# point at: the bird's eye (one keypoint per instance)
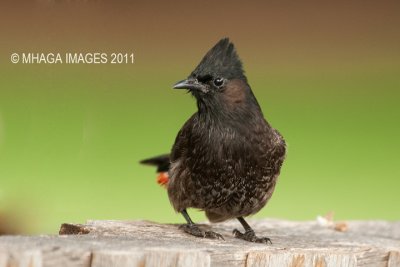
(218, 82)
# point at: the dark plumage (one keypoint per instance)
(226, 158)
(162, 162)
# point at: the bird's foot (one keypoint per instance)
(251, 237)
(194, 230)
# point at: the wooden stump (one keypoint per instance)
(143, 243)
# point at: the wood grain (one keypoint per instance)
(143, 243)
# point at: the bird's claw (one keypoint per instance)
(251, 237)
(213, 235)
(194, 230)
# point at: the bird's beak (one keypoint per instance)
(190, 84)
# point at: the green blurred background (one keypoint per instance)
(327, 75)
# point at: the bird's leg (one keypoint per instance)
(193, 229)
(249, 234)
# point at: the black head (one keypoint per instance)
(218, 66)
(218, 82)
(222, 60)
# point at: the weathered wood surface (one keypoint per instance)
(143, 243)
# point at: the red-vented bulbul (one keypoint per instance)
(226, 158)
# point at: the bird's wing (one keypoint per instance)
(182, 140)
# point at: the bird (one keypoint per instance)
(226, 158)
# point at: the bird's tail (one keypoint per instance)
(162, 163)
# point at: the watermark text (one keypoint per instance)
(72, 58)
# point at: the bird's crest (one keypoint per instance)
(221, 60)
